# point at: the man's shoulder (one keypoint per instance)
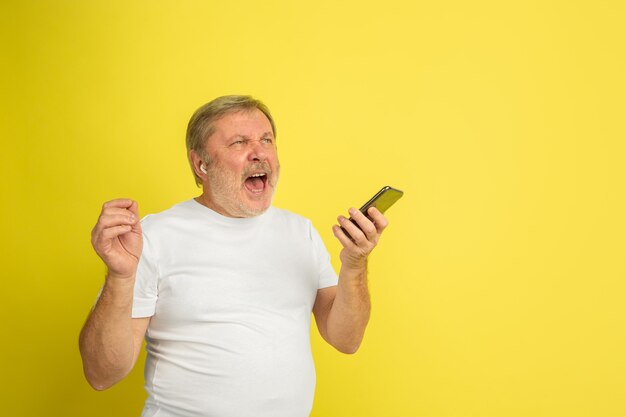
(292, 222)
(289, 216)
(180, 211)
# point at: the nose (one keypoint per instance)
(257, 152)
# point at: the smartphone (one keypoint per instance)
(382, 200)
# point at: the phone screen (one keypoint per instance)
(382, 200)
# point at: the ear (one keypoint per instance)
(197, 164)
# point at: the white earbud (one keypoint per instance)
(203, 168)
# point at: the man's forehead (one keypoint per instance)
(244, 123)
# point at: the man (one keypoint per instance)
(222, 286)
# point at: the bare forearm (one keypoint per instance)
(350, 311)
(342, 319)
(106, 341)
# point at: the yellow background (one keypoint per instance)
(498, 289)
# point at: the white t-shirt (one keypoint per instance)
(230, 301)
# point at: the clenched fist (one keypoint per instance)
(117, 237)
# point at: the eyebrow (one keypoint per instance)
(263, 136)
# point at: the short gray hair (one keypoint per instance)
(201, 126)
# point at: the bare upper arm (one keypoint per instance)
(321, 309)
(140, 326)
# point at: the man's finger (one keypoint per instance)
(116, 220)
(119, 202)
(113, 232)
(355, 233)
(364, 224)
(116, 210)
(134, 207)
(380, 221)
(345, 241)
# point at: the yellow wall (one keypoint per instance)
(499, 286)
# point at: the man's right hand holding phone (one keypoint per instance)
(359, 235)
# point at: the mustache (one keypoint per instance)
(257, 167)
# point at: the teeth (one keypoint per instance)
(258, 175)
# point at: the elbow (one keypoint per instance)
(100, 378)
(344, 342)
(97, 386)
(98, 383)
(94, 376)
(349, 348)
(348, 351)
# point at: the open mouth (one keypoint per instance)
(256, 183)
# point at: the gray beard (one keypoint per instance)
(225, 189)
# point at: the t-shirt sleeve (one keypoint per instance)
(146, 283)
(327, 275)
